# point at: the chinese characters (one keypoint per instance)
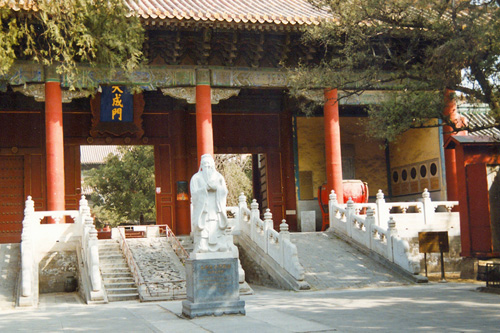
(117, 104)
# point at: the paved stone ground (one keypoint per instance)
(160, 267)
(9, 269)
(330, 263)
(435, 307)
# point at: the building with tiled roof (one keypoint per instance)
(216, 81)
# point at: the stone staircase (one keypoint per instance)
(118, 280)
(186, 242)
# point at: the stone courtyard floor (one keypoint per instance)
(433, 307)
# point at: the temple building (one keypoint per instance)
(216, 83)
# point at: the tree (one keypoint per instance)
(71, 32)
(237, 171)
(124, 187)
(415, 48)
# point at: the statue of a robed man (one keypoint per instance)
(208, 218)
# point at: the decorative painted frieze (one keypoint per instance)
(189, 94)
(249, 78)
(37, 90)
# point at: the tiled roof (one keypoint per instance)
(477, 116)
(96, 154)
(287, 12)
(273, 12)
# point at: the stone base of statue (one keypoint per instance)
(212, 286)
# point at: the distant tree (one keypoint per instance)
(124, 187)
(415, 48)
(66, 33)
(237, 171)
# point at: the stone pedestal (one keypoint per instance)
(212, 288)
(308, 221)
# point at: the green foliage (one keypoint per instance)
(415, 47)
(73, 32)
(237, 171)
(9, 37)
(124, 187)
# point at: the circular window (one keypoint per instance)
(413, 173)
(395, 176)
(434, 169)
(423, 171)
(404, 175)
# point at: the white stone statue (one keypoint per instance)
(208, 218)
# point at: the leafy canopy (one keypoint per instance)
(66, 33)
(124, 187)
(416, 48)
(237, 171)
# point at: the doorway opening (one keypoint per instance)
(237, 170)
(119, 183)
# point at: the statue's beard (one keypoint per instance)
(209, 176)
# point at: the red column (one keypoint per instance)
(182, 219)
(332, 144)
(204, 129)
(54, 146)
(450, 110)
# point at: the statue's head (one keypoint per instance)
(207, 165)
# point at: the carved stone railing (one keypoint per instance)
(134, 269)
(376, 230)
(37, 239)
(90, 249)
(276, 245)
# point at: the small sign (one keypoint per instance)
(116, 104)
(182, 191)
(158, 190)
(433, 241)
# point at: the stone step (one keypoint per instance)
(113, 285)
(108, 251)
(111, 260)
(123, 297)
(116, 275)
(121, 278)
(104, 254)
(115, 270)
(119, 265)
(121, 291)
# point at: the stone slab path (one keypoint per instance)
(161, 269)
(331, 263)
(433, 307)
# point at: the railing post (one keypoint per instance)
(391, 233)
(254, 218)
(349, 216)
(428, 207)
(283, 236)
(382, 212)
(369, 223)
(84, 209)
(93, 247)
(268, 224)
(331, 212)
(27, 259)
(242, 204)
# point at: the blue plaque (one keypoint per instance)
(116, 104)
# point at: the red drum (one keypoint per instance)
(353, 188)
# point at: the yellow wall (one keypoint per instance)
(369, 161)
(414, 146)
(413, 150)
(311, 148)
